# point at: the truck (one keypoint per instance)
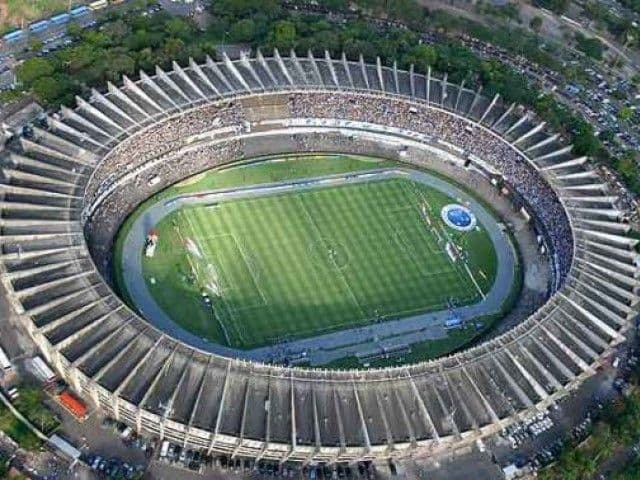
(73, 404)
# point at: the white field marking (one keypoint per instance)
(464, 297)
(432, 249)
(215, 314)
(224, 301)
(463, 278)
(228, 286)
(401, 242)
(224, 284)
(458, 270)
(340, 274)
(251, 272)
(223, 327)
(412, 194)
(455, 266)
(474, 280)
(366, 321)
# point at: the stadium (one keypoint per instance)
(70, 184)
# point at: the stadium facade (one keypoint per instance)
(67, 187)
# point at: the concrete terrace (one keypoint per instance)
(67, 188)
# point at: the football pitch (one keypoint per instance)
(258, 270)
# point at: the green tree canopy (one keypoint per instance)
(422, 56)
(284, 35)
(34, 68)
(536, 23)
(243, 31)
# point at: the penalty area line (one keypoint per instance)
(473, 279)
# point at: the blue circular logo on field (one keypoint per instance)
(458, 217)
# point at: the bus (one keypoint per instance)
(98, 4)
(61, 19)
(14, 36)
(39, 26)
(5, 364)
(79, 11)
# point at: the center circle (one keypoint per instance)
(326, 250)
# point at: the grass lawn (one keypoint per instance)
(14, 11)
(314, 261)
(17, 430)
(31, 404)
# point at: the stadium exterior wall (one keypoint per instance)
(535, 363)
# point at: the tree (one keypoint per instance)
(243, 31)
(146, 59)
(176, 27)
(174, 49)
(77, 59)
(4, 466)
(625, 113)
(284, 35)
(34, 68)
(97, 38)
(590, 46)
(141, 39)
(584, 140)
(607, 135)
(536, 24)
(335, 5)
(326, 40)
(353, 48)
(49, 90)
(116, 30)
(35, 45)
(74, 30)
(422, 56)
(119, 64)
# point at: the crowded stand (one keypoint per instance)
(444, 126)
(162, 138)
(115, 207)
(188, 130)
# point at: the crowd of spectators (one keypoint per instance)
(516, 171)
(160, 139)
(179, 141)
(115, 207)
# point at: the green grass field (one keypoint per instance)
(252, 172)
(310, 262)
(14, 12)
